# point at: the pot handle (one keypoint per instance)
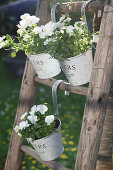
(54, 96)
(53, 9)
(83, 12)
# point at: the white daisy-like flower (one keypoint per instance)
(24, 16)
(23, 125)
(69, 30)
(42, 108)
(2, 38)
(16, 129)
(2, 44)
(37, 30)
(78, 28)
(33, 119)
(49, 119)
(23, 116)
(26, 37)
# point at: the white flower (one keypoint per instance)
(20, 31)
(42, 108)
(22, 25)
(78, 28)
(68, 19)
(23, 116)
(37, 30)
(16, 129)
(69, 29)
(34, 108)
(32, 118)
(31, 20)
(62, 18)
(49, 119)
(2, 44)
(23, 125)
(26, 37)
(2, 38)
(24, 16)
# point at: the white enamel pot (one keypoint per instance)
(50, 147)
(44, 65)
(78, 69)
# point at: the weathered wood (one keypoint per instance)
(26, 100)
(76, 7)
(63, 86)
(104, 161)
(43, 11)
(51, 164)
(98, 93)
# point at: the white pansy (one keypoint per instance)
(37, 30)
(16, 129)
(49, 119)
(2, 44)
(78, 28)
(31, 20)
(22, 25)
(26, 37)
(34, 108)
(23, 116)
(48, 28)
(69, 30)
(62, 18)
(68, 19)
(32, 118)
(23, 125)
(62, 29)
(42, 108)
(24, 16)
(2, 38)
(20, 31)
(42, 35)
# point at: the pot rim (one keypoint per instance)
(90, 49)
(30, 139)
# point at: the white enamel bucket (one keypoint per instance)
(45, 66)
(78, 69)
(50, 147)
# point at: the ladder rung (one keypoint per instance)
(63, 86)
(76, 6)
(51, 164)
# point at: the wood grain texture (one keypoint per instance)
(98, 92)
(104, 161)
(76, 7)
(63, 86)
(26, 101)
(50, 164)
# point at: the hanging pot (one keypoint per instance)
(78, 69)
(45, 66)
(50, 147)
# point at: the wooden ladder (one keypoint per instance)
(97, 94)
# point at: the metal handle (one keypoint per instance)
(54, 96)
(53, 9)
(83, 12)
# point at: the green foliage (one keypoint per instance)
(38, 130)
(66, 46)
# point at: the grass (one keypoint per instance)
(70, 109)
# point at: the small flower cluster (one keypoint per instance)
(60, 39)
(69, 40)
(35, 124)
